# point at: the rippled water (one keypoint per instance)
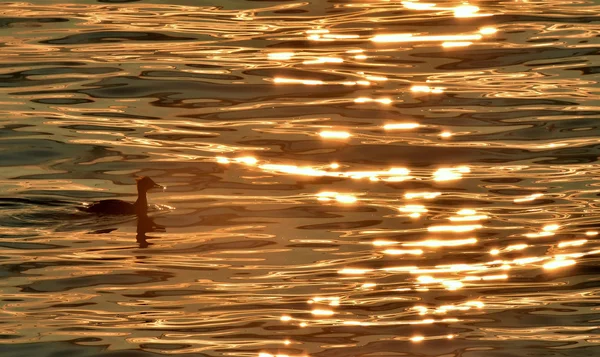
(345, 178)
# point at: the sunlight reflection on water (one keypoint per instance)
(345, 178)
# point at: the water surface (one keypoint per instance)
(345, 178)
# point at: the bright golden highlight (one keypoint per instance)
(559, 263)
(248, 160)
(449, 174)
(308, 82)
(328, 134)
(222, 160)
(550, 228)
(466, 11)
(434, 243)
(378, 100)
(407, 37)
(383, 243)
(539, 235)
(322, 312)
(283, 56)
(401, 126)
(450, 44)
(403, 251)
(354, 271)
(417, 5)
(528, 198)
(455, 229)
(321, 60)
(426, 195)
(488, 30)
(413, 209)
(339, 197)
(466, 215)
(426, 89)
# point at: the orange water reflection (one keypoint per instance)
(345, 178)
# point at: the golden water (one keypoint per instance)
(345, 178)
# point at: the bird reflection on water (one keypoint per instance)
(145, 225)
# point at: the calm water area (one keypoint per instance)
(345, 178)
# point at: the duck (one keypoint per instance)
(120, 207)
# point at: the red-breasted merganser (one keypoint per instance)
(118, 207)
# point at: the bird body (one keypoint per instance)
(119, 207)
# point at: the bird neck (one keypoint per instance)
(141, 205)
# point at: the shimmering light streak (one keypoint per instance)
(383, 243)
(401, 126)
(417, 338)
(476, 217)
(333, 301)
(322, 312)
(345, 198)
(487, 30)
(558, 263)
(451, 44)
(342, 198)
(528, 198)
(248, 160)
(222, 160)
(413, 209)
(324, 60)
(591, 233)
(328, 134)
(451, 173)
(452, 284)
(354, 271)
(309, 82)
(280, 55)
(339, 36)
(426, 195)
(463, 228)
(407, 37)
(400, 269)
(465, 11)
(453, 268)
(417, 5)
(446, 134)
(494, 277)
(376, 78)
(403, 251)
(426, 89)
(434, 243)
(515, 247)
(539, 235)
(528, 260)
(378, 100)
(475, 303)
